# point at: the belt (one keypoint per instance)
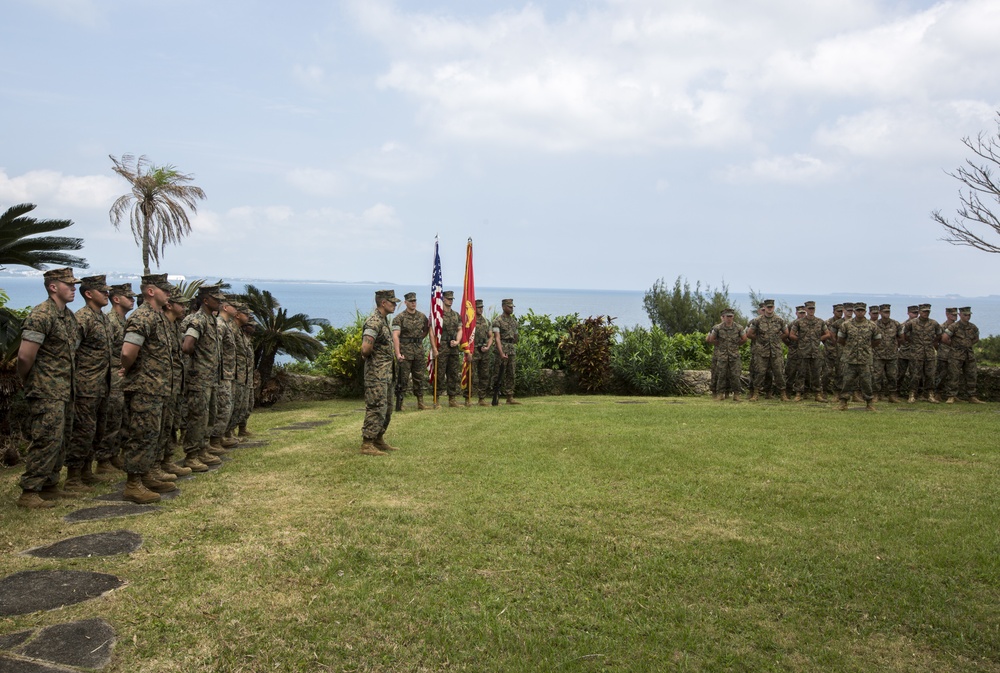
(411, 340)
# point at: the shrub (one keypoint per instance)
(988, 350)
(691, 351)
(587, 347)
(545, 333)
(679, 310)
(644, 363)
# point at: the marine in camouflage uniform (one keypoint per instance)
(481, 356)
(505, 337)
(809, 332)
(886, 360)
(942, 372)
(904, 372)
(768, 331)
(923, 335)
(449, 351)
(961, 337)
(726, 338)
(378, 351)
(93, 381)
(408, 331)
(201, 346)
(249, 325)
(792, 353)
(175, 311)
(147, 361)
(45, 365)
(108, 454)
(858, 338)
(244, 367)
(226, 324)
(831, 352)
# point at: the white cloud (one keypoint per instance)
(83, 12)
(315, 181)
(793, 169)
(46, 187)
(394, 162)
(311, 77)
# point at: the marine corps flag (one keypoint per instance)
(467, 337)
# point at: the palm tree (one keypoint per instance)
(38, 251)
(279, 332)
(156, 205)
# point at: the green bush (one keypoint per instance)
(340, 357)
(644, 362)
(545, 333)
(988, 351)
(588, 352)
(691, 351)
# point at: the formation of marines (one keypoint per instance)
(394, 358)
(851, 355)
(113, 392)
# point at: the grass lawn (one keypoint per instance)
(567, 534)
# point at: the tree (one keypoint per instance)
(681, 311)
(278, 332)
(979, 194)
(21, 245)
(157, 205)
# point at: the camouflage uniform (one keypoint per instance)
(768, 332)
(93, 381)
(412, 328)
(480, 360)
(904, 370)
(449, 358)
(942, 373)
(245, 381)
(173, 408)
(244, 365)
(922, 334)
(809, 329)
(726, 354)
(147, 386)
(964, 370)
(49, 391)
(886, 360)
(227, 375)
(116, 396)
(505, 331)
(379, 371)
(857, 356)
(831, 355)
(201, 380)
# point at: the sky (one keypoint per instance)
(782, 145)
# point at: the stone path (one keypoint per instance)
(95, 544)
(304, 425)
(83, 644)
(33, 590)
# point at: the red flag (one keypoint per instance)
(467, 337)
(437, 309)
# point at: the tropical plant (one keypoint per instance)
(588, 351)
(679, 310)
(157, 205)
(21, 245)
(10, 331)
(277, 332)
(643, 362)
(545, 333)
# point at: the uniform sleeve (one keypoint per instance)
(36, 326)
(136, 330)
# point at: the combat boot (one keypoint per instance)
(208, 458)
(950, 400)
(56, 493)
(244, 432)
(368, 448)
(820, 397)
(420, 403)
(975, 400)
(843, 404)
(511, 400)
(217, 450)
(191, 461)
(87, 475)
(483, 402)
(74, 481)
(452, 402)
(932, 398)
(893, 399)
(157, 473)
(753, 395)
(798, 397)
(136, 492)
(870, 405)
(32, 500)
(856, 397)
(383, 445)
(170, 467)
(215, 442)
(155, 485)
(118, 462)
(784, 396)
(106, 467)
(911, 399)
(228, 441)
(736, 397)
(717, 397)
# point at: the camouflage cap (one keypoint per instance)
(768, 302)
(810, 304)
(965, 310)
(873, 307)
(213, 291)
(99, 283)
(241, 308)
(924, 307)
(479, 303)
(178, 297)
(448, 294)
(800, 308)
(507, 302)
(410, 296)
(860, 306)
(885, 307)
(728, 311)
(386, 295)
(158, 280)
(836, 306)
(912, 309)
(63, 275)
(951, 310)
(848, 306)
(122, 290)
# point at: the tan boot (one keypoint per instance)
(157, 473)
(843, 404)
(753, 395)
(950, 400)
(87, 475)
(932, 398)
(911, 399)
(383, 445)
(155, 485)
(215, 442)
(217, 450)
(170, 467)
(191, 461)
(228, 441)
(820, 397)
(368, 448)
(32, 500)
(483, 402)
(107, 467)
(136, 492)
(452, 402)
(736, 397)
(74, 481)
(511, 400)
(856, 397)
(798, 397)
(420, 403)
(893, 399)
(870, 405)
(56, 493)
(208, 458)
(975, 400)
(244, 432)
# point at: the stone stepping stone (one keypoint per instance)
(95, 544)
(336, 415)
(304, 425)
(633, 402)
(254, 443)
(84, 644)
(13, 665)
(34, 590)
(12, 640)
(108, 512)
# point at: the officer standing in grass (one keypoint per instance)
(505, 337)
(726, 339)
(108, 456)
(408, 331)
(449, 366)
(483, 344)
(201, 345)
(378, 351)
(961, 337)
(858, 338)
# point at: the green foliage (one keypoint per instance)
(691, 351)
(781, 309)
(587, 348)
(988, 351)
(681, 310)
(542, 334)
(21, 245)
(644, 362)
(10, 330)
(340, 357)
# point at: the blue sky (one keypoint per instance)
(787, 146)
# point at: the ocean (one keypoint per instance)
(339, 302)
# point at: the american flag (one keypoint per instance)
(437, 308)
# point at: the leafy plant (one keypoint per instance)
(644, 363)
(587, 348)
(545, 334)
(681, 310)
(988, 350)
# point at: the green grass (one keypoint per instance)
(568, 534)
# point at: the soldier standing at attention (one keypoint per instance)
(45, 364)
(147, 365)
(201, 344)
(483, 340)
(726, 339)
(887, 354)
(809, 332)
(857, 339)
(768, 330)
(904, 374)
(108, 456)
(873, 313)
(247, 329)
(505, 337)
(754, 348)
(408, 331)
(226, 323)
(792, 357)
(942, 372)
(378, 351)
(831, 352)
(244, 364)
(449, 351)
(175, 311)
(961, 337)
(93, 381)
(923, 334)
